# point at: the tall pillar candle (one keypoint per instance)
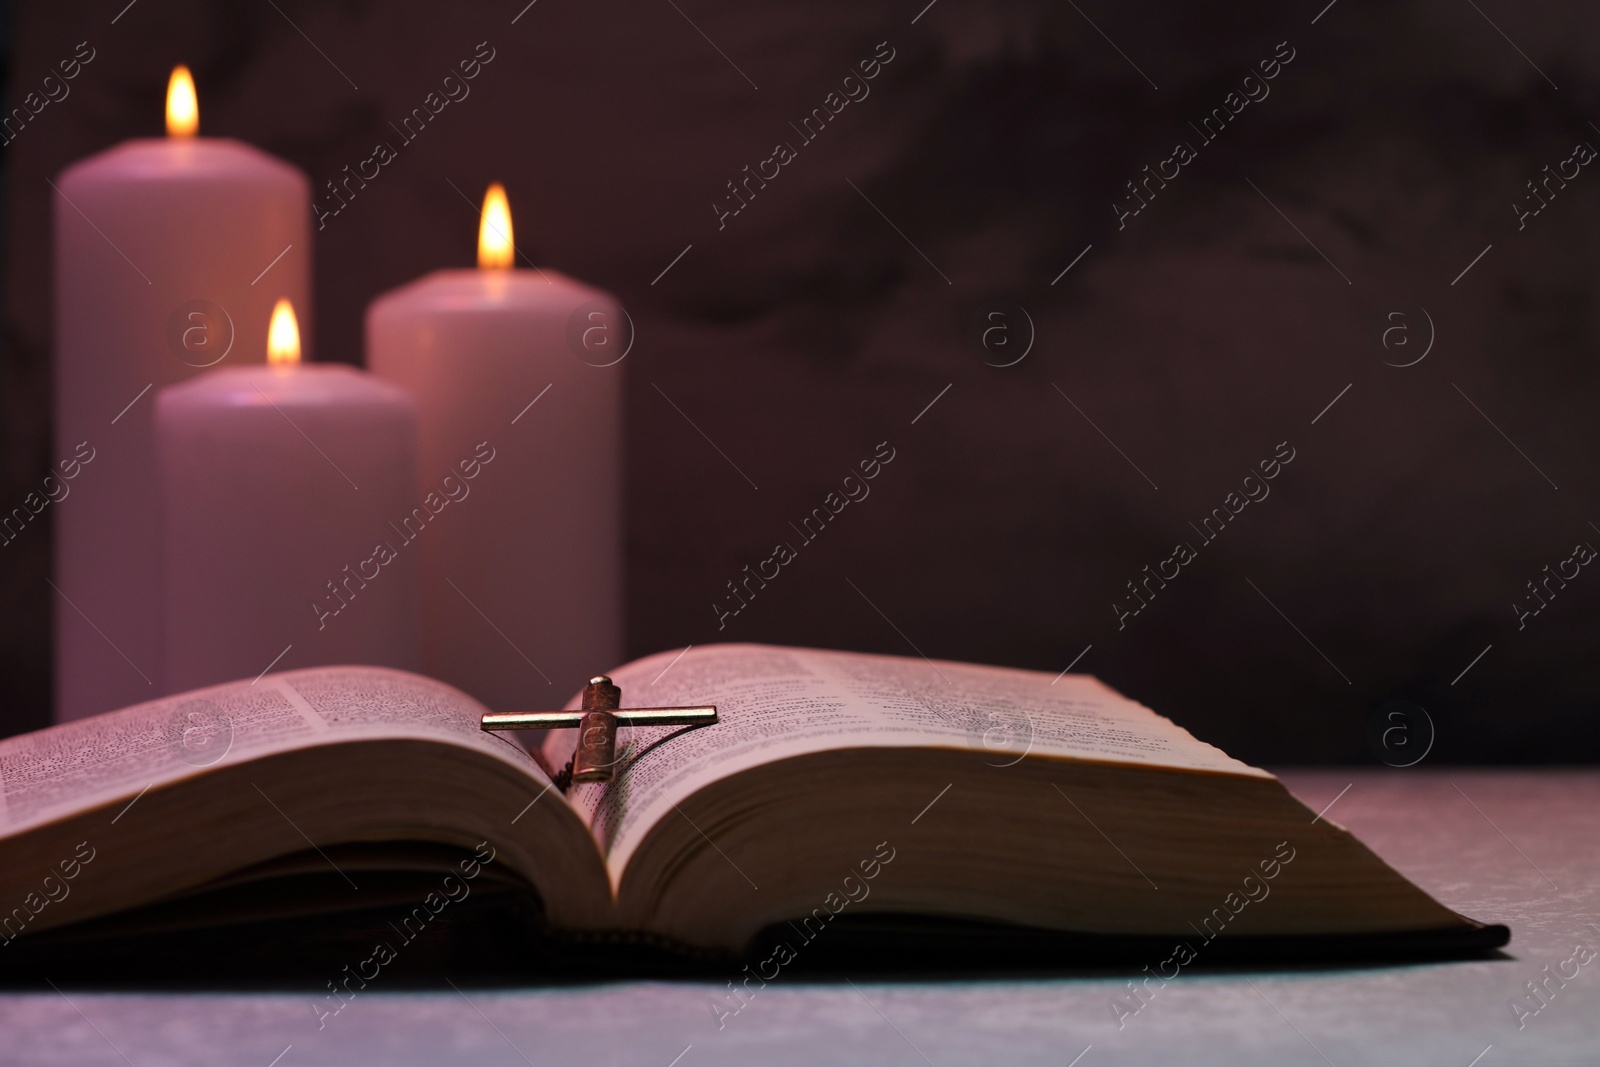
(166, 251)
(278, 484)
(521, 582)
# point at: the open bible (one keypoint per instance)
(836, 786)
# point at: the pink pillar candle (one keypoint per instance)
(279, 485)
(521, 582)
(169, 256)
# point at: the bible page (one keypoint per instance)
(77, 765)
(773, 703)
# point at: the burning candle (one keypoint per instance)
(278, 484)
(521, 583)
(166, 250)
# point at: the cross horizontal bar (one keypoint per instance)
(567, 720)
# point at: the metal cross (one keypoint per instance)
(597, 723)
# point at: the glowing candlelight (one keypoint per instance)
(183, 109)
(283, 335)
(495, 251)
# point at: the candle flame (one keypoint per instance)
(183, 109)
(494, 231)
(283, 336)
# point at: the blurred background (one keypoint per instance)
(964, 236)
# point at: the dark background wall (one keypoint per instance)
(1177, 352)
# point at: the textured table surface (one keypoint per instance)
(1518, 847)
